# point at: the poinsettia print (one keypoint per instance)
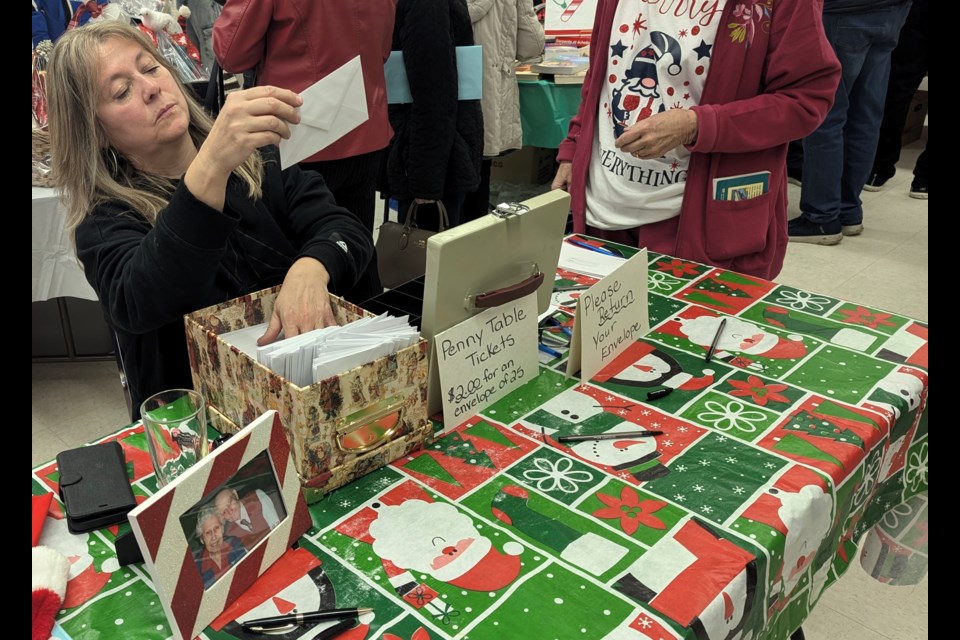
(867, 317)
(757, 391)
(631, 511)
(679, 268)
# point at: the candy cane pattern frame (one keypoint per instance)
(168, 557)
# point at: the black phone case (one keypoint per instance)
(94, 486)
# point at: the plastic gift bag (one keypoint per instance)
(179, 51)
(41, 159)
(177, 54)
(40, 54)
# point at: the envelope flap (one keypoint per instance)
(323, 100)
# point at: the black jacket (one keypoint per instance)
(437, 145)
(147, 277)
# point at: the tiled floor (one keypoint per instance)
(885, 267)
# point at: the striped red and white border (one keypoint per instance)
(156, 525)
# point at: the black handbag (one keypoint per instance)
(402, 247)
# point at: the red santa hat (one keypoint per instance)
(50, 571)
(785, 349)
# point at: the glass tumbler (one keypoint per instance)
(175, 424)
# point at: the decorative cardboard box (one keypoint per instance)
(340, 428)
(529, 165)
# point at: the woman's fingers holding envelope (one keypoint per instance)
(249, 119)
(271, 101)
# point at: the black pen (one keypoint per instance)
(716, 339)
(266, 625)
(609, 436)
(659, 393)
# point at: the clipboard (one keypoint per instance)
(488, 261)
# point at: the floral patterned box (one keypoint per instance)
(340, 428)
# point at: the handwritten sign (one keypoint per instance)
(610, 316)
(486, 357)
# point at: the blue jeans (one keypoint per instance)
(838, 156)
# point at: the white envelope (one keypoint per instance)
(332, 107)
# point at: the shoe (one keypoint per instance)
(918, 189)
(802, 230)
(876, 181)
(851, 229)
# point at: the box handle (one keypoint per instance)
(509, 293)
(371, 427)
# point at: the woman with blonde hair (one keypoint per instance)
(173, 211)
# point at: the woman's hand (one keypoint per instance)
(562, 179)
(655, 136)
(249, 119)
(303, 303)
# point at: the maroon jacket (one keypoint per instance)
(294, 43)
(774, 85)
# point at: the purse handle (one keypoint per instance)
(411, 220)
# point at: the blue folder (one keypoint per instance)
(469, 75)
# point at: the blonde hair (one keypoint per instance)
(87, 171)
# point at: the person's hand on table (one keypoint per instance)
(303, 303)
(654, 136)
(562, 179)
(249, 119)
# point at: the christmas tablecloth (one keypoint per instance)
(804, 435)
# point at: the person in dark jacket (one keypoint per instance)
(909, 64)
(173, 212)
(437, 146)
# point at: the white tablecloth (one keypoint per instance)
(56, 271)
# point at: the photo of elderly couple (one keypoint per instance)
(233, 519)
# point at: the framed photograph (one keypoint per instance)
(209, 534)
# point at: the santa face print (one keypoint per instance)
(737, 335)
(448, 552)
(807, 514)
(615, 453)
(905, 387)
(431, 537)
